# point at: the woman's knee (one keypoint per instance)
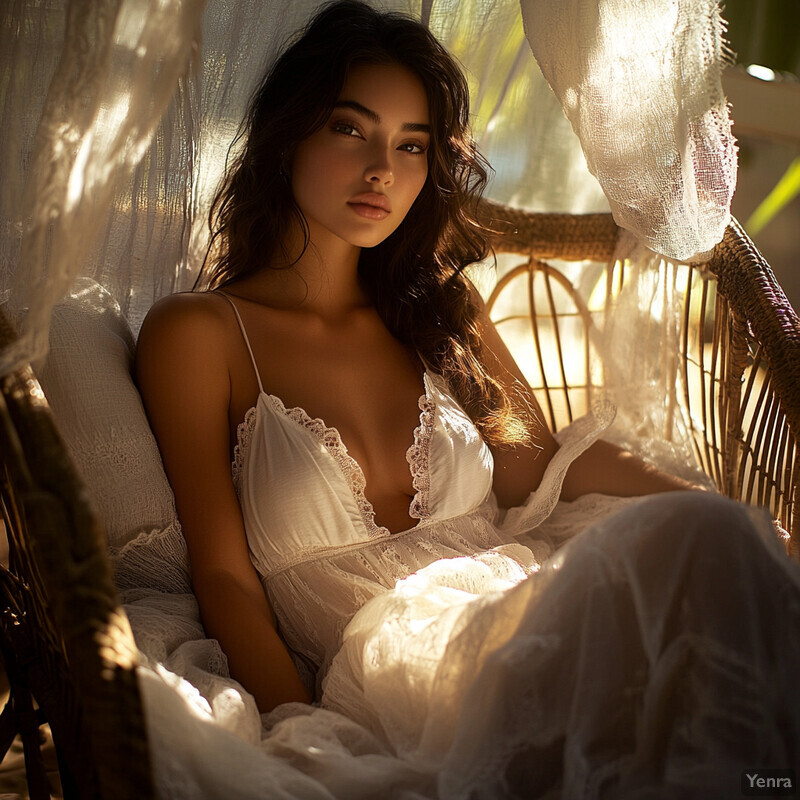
(700, 526)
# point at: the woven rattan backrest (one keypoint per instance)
(758, 382)
(541, 302)
(739, 354)
(62, 624)
(534, 300)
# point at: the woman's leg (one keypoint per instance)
(660, 658)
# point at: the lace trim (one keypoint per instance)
(244, 435)
(418, 458)
(331, 440)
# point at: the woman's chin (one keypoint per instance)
(371, 239)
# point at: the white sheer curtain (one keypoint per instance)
(117, 115)
(85, 87)
(641, 85)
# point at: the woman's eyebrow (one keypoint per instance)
(375, 118)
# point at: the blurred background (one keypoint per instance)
(764, 92)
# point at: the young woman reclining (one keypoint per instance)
(357, 461)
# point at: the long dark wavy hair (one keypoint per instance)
(415, 277)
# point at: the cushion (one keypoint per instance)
(88, 383)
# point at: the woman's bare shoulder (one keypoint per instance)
(193, 316)
(192, 310)
(186, 331)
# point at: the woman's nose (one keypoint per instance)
(380, 171)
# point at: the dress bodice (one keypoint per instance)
(303, 496)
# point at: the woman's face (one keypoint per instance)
(356, 177)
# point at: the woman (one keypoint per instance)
(375, 422)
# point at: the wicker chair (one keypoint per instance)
(739, 359)
(66, 642)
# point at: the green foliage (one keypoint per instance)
(765, 32)
(787, 188)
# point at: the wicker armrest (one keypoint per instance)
(748, 283)
(63, 631)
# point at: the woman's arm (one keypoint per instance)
(602, 468)
(182, 372)
(607, 469)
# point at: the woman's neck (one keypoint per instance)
(321, 279)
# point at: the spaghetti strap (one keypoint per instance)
(244, 336)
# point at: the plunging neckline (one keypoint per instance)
(417, 454)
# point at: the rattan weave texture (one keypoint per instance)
(741, 382)
(64, 636)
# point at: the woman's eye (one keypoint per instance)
(413, 147)
(346, 128)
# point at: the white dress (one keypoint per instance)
(655, 654)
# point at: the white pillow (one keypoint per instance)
(87, 381)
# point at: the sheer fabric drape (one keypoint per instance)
(96, 139)
(641, 86)
(117, 115)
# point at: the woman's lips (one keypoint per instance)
(370, 205)
(367, 211)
